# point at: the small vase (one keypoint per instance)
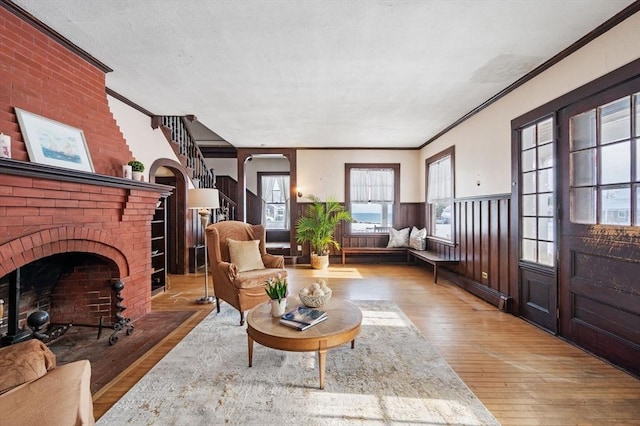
(137, 176)
(278, 307)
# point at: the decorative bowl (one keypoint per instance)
(314, 301)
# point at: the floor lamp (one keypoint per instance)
(204, 199)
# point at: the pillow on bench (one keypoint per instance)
(398, 238)
(408, 237)
(417, 238)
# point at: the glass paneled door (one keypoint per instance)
(537, 223)
(599, 294)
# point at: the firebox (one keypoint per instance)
(71, 288)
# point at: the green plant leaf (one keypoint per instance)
(319, 224)
(276, 288)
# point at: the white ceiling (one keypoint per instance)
(325, 73)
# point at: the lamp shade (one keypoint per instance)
(203, 198)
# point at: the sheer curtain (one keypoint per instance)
(283, 183)
(439, 180)
(270, 196)
(371, 185)
(268, 183)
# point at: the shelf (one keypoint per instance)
(159, 248)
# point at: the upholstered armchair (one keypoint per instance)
(240, 265)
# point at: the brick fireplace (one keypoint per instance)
(95, 227)
(70, 235)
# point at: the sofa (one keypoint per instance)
(34, 391)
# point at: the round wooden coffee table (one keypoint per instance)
(341, 326)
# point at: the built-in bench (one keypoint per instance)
(277, 242)
(371, 250)
(431, 257)
(437, 252)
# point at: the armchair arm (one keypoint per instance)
(228, 269)
(272, 261)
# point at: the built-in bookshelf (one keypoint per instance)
(159, 248)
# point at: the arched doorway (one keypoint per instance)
(289, 154)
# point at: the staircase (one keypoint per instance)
(190, 156)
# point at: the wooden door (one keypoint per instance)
(599, 265)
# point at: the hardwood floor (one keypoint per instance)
(522, 374)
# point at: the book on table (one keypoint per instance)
(303, 317)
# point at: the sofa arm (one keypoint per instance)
(228, 269)
(60, 397)
(273, 261)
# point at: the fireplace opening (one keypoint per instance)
(73, 288)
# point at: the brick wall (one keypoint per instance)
(43, 77)
(83, 296)
(39, 216)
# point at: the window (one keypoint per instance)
(274, 193)
(440, 186)
(604, 149)
(372, 193)
(537, 204)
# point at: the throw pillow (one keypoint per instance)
(24, 362)
(417, 238)
(398, 238)
(245, 254)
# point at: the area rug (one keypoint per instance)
(392, 376)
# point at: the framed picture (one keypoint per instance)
(53, 143)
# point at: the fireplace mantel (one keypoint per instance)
(42, 171)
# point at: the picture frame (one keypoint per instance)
(54, 143)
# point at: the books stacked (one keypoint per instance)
(303, 317)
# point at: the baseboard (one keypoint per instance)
(489, 295)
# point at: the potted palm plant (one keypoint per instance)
(317, 227)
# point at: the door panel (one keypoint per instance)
(600, 309)
(538, 296)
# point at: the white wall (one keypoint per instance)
(146, 144)
(321, 172)
(483, 143)
(223, 166)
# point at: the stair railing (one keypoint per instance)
(189, 150)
